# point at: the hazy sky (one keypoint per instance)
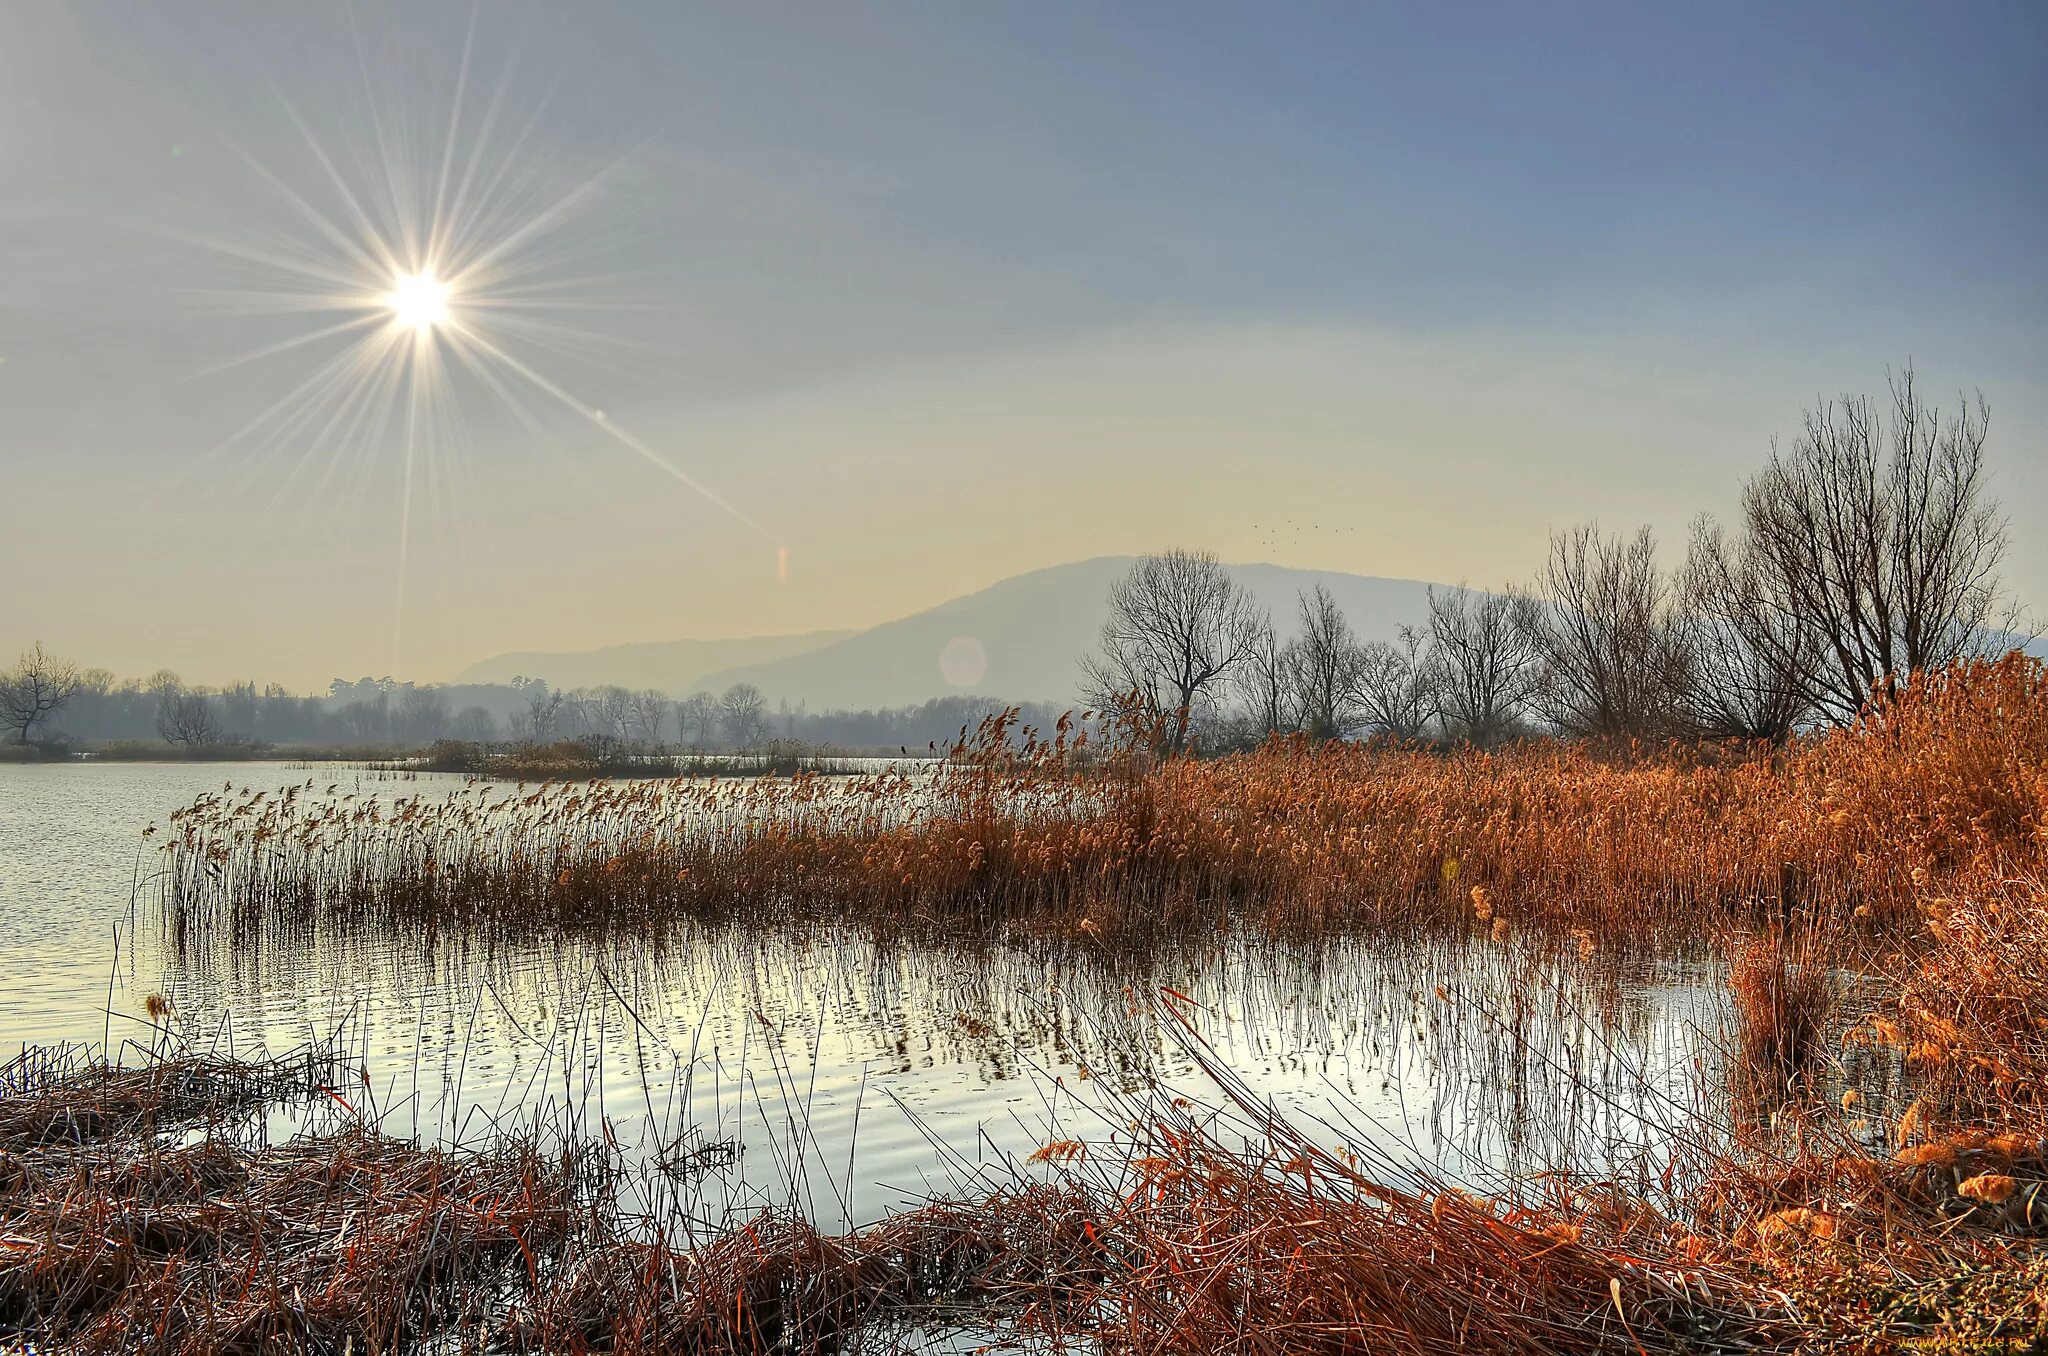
(935, 294)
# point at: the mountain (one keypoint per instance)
(673, 666)
(1021, 639)
(1018, 640)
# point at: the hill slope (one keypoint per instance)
(672, 666)
(1020, 639)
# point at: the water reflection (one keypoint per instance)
(863, 1074)
(866, 1074)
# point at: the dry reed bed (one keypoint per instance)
(1941, 788)
(53, 1095)
(1156, 1237)
(163, 1221)
(1971, 1017)
(344, 1240)
(1782, 1008)
(1926, 827)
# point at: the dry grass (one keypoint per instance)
(54, 1095)
(1943, 788)
(1921, 834)
(1158, 1236)
(141, 1209)
(777, 1284)
(1292, 1246)
(121, 1232)
(345, 1240)
(1781, 1017)
(1972, 1013)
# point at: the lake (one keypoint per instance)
(767, 1064)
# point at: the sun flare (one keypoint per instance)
(419, 301)
(430, 280)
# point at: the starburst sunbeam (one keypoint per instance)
(430, 269)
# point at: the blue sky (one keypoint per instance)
(939, 293)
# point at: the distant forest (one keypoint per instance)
(381, 713)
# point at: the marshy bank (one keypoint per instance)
(1314, 1049)
(152, 1208)
(1937, 790)
(171, 1227)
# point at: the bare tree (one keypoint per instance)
(422, 715)
(698, 714)
(543, 714)
(1606, 636)
(36, 690)
(745, 714)
(650, 714)
(473, 724)
(1323, 667)
(1178, 626)
(1261, 686)
(1482, 665)
(1747, 659)
(1875, 534)
(186, 717)
(612, 710)
(1395, 687)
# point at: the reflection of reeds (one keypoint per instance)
(1175, 1228)
(1161, 1226)
(1470, 1053)
(1166, 1241)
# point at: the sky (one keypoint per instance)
(814, 316)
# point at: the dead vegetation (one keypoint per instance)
(1940, 789)
(1183, 1229)
(1913, 843)
(1782, 1008)
(347, 1240)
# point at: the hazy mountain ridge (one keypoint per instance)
(1020, 639)
(1023, 637)
(673, 666)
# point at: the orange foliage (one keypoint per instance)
(1941, 789)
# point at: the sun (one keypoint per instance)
(435, 282)
(419, 301)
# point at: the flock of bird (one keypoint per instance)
(1288, 532)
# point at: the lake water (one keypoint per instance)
(819, 1065)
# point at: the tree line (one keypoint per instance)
(1865, 550)
(739, 718)
(52, 702)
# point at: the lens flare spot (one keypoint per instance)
(964, 661)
